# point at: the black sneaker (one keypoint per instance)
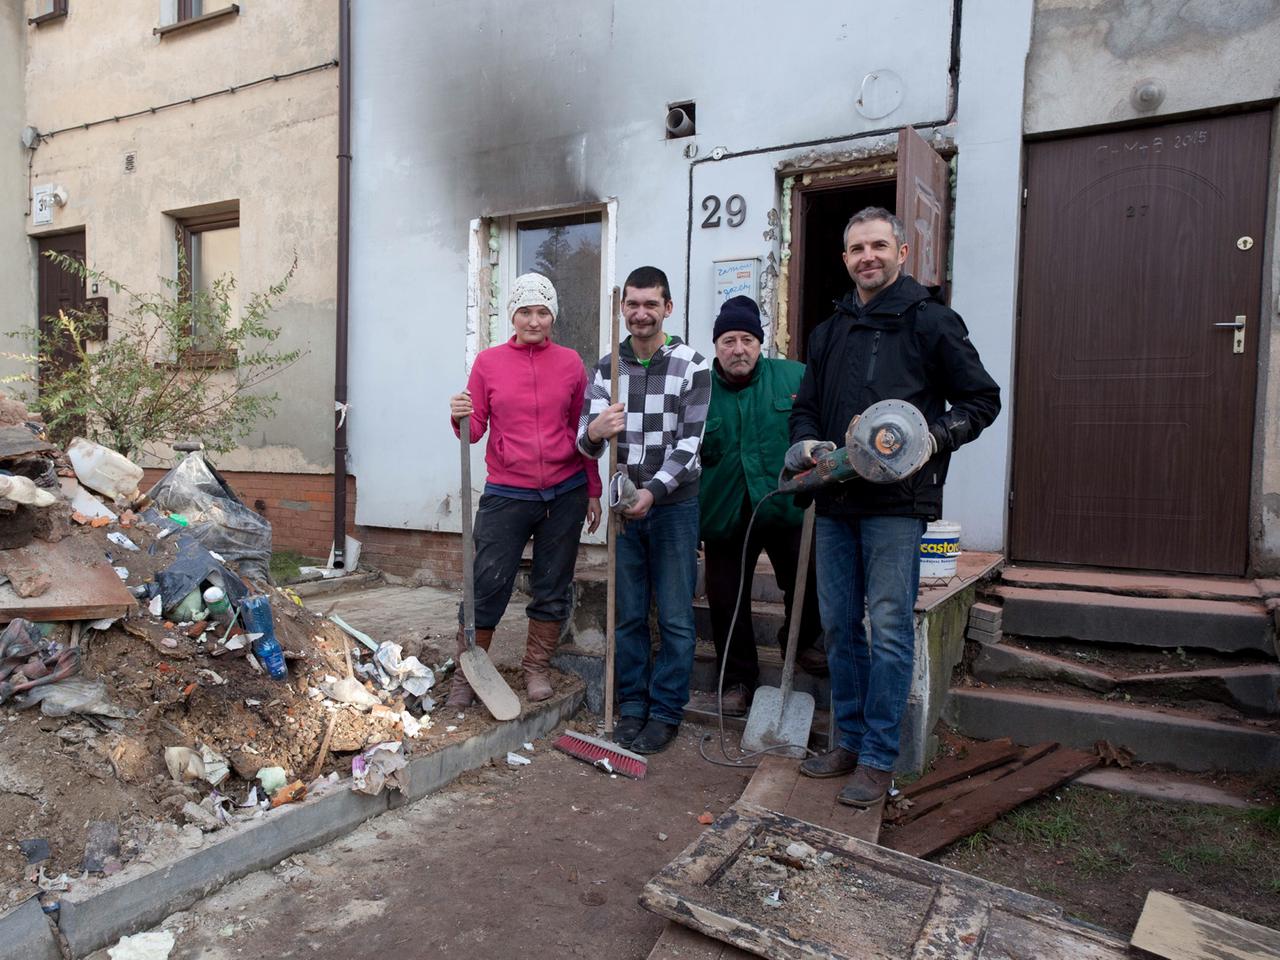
(655, 737)
(624, 734)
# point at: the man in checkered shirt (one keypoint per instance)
(666, 386)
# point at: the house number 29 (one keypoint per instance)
(735, 209)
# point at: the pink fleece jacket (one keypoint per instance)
(529, 399)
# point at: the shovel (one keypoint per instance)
(476, 666)
(781, 717)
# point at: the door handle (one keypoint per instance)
(1237, 325)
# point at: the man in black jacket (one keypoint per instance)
(890, 338)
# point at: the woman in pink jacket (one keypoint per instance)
(527, 393)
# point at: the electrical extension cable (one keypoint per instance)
(739, 761)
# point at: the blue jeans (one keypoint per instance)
(657, 560)
(869, 565)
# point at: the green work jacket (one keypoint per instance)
(742, 449)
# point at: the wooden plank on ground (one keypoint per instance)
(933, 799)
(948, 824)
(978, 757)
(680, 943)
(1180, 930)
(82, 584)
(771, 785)
(851, 899)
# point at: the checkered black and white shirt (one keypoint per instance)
(666, 405)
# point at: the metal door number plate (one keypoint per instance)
(1245, 243)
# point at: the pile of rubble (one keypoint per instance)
(141, 702)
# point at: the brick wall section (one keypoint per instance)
(300, 508)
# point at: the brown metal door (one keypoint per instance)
(922, 207)
(56, 288)
(1133, 416)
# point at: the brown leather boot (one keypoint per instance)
(461, 695)
(544, 635)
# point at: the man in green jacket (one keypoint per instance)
(743, 446)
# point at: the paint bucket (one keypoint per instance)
(939, 550)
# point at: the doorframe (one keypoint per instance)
(1268, 312)
(795, 185)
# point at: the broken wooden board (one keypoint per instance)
(777, 785)
(978, 757)
(858, 900)
(974, 811)
(1180, 930)
(18, 441)
(931, 800)
(82, 584)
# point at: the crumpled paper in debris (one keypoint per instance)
(187, 764)
(152, 945)
(378, 767)
(349, 690)
(409, 672)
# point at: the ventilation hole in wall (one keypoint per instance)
(681, 119)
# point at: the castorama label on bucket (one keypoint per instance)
(939, 548)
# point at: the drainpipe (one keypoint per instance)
(344, 281)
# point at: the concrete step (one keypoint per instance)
(766, 620)
(1226, 626)
(1132, 584)
(1253, 689)
(706, 672)
(1180, 739)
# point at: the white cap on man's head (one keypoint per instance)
(532, 290)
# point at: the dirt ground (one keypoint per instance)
(63, 779)
(540, 861)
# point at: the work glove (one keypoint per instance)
(622, 493)
(804, 454)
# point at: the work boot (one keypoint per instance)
(866, 787)
(461, 695)
(628, 728)
(833, 763)
(813, 661)
(544, 635)
(655, 737)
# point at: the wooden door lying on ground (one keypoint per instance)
(1133, 415)
(853, 899)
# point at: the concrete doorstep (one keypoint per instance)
(97, 913)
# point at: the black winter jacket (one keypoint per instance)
(905, 344)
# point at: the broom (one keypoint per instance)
(605, 754)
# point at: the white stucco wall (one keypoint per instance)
(465, 110)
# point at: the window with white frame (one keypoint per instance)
(569, 249)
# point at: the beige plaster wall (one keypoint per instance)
(17, 305)
(1087, 56)
(271, 147)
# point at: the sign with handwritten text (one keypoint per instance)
(737, 278)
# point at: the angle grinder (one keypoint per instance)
(887, 442)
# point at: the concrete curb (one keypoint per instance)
(96, 914)
(27, 934)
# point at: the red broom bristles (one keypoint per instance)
(603, 754)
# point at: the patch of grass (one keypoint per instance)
(1096, 862)
(974, 843)
(285, 564)
(1052, 826)
(1193, 857)
(1267, 818)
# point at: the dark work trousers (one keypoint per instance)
(723, 572)
(503, 526)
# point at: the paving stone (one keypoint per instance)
(1136, 584)
(995, 663)
(984, 612)
(1183, 741)
(1226, 626)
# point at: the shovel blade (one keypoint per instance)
(488, 684)
(776, 721)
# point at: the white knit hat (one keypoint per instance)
(532, 290)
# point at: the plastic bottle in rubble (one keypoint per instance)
(104, 470)
(255, 612)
